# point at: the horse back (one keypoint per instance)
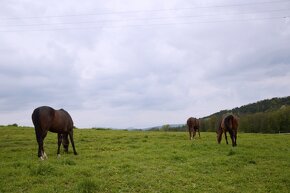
(42, 117)
(48, 119)
(192, 123)
(62, 122)
(229, 122)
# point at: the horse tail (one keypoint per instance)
(231, 124)
(36, 118)
(37, 126)
(235, 123)
(228, 122)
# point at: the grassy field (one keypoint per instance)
(136, 161)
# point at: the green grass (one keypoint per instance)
(136, 161)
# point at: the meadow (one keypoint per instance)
(144, 161)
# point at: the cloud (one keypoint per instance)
(122, 65)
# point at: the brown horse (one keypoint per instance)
(58, 121)
(193, 126)
(230, 124)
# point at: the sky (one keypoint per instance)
(139, 64)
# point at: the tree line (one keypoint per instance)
(277, 121)
(267, 116)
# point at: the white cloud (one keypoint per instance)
(128, 67)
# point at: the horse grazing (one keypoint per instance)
(193, 126)
(57, 121)
(230, 124)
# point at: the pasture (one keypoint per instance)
(139, 161)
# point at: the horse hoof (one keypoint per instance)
(41, 158)
(45, 156)
(75, 153)
(58, 156)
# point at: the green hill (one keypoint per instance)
(266, 116)
(257, 107)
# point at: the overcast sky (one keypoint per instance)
(139, 64)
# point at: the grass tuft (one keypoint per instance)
(231, 152)
(252, 162)
(42, 170)
(69, 162)
(87, 186)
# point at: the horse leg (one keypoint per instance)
(72, 142)
(198, 133)
(65, 142)
(189, 131)
(43, 156)
(39, 142)
(226, 137)
(232, 137)
(235, 137)
(219, 136)
(59, 140)
(193, 133)
(40, 149)
(219, 133)
(233, 141)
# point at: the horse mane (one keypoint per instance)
(219, 126)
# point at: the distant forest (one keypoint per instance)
(266, 116)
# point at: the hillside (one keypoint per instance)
(266, 105)
(266, 116)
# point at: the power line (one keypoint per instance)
(140, 11)
(141, 19)
(148, 25)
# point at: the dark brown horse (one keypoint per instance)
(230, 124)
(58, 121)
(193, 126)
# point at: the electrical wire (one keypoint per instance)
(148, 21)
(141, 19)
(140, 11)
(148, 25)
